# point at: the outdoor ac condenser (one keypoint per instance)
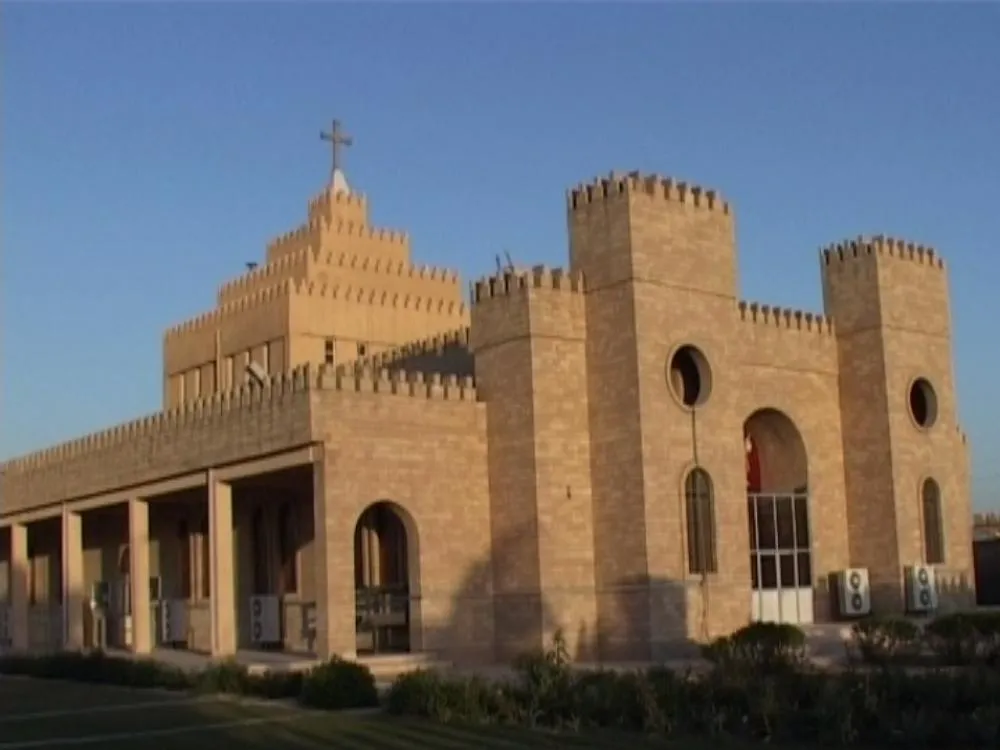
(265, 620)
(854, 589)
(921, 589)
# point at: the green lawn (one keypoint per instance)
(44, 714)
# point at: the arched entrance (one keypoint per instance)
(777, 480)
(382, 585)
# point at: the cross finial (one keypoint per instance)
(337, 138)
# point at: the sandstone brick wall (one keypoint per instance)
(530, 355)
(549, 493)
(427, 458)
(335, 278)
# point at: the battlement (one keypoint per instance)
(427, 355)
(785, 318)
(284, 267)
(310, 232)
(280, 269)
(616, 186)
(255, 299)
(880, 245)
(540, 277)
(377, 297)
(290, 288)
(986, 520)
(319, 206)
(291, 384)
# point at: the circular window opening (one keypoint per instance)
(923, 403)
(689, 376)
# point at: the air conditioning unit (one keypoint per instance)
(921, 590)
(173, 621)
(265, 620)
(854, 592)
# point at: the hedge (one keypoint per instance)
(333, 685)
(760, 688)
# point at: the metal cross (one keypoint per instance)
(337, 138)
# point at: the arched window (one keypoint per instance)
(700, 509)
(930, 498)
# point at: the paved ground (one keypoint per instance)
(57, 715)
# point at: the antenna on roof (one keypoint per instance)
(510, 263)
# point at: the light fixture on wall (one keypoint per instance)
(257, 374)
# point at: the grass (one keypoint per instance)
(48, 715)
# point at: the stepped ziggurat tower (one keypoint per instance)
(352, 460)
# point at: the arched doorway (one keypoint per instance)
(777, 480)
(382, 570)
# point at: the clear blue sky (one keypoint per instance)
(149, 151)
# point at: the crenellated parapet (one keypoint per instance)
(206, 413)
(986, 521)
(546, 302)
(309, 261)
(539, 278)
(300, 238)
(785, 319)
(881, 246)
(616, 187)
(432, 386)
(447, 352)
(377, 298)
(291, 266)
(239, 305)
(329, 202)
(292, 289)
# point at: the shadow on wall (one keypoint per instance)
(634, 619)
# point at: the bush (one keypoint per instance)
(761, 647)
(965, 638)
(886, 708)
(339, 684)
(97, 667)
(336, 684)
(224, 676)
(886, 640)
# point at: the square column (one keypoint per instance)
(334, 551)
(222, 563)
(73, 595)
(19, 572)
(138, 546)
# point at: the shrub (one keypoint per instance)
(886, 640)
(274, 685)
(97, 667)
(761, 647)
(965, 638)
(223, 676)
(339, 684)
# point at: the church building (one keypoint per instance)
(358, 456)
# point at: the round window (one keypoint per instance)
(689, 376)
(923, 403)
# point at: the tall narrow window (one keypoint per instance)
(184, 560)
(287, 548)
(700, 509)
(329, 353)
(930, 496)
